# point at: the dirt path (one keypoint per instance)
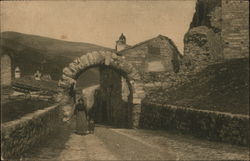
(83, 148)
(128, 144)
(186, 147)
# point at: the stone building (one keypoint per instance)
(158, 54)
(151, 57)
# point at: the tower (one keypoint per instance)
(121, 43)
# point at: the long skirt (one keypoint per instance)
(81, 122)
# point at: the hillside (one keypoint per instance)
(32, 53)
(219, 87)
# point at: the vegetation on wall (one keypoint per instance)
(219, 87)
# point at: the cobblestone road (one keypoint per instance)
(127, 144)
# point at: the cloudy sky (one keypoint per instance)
(99, 22)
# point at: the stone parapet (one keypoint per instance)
(20, 135)
(211, 125)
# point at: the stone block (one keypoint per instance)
(108, 60)
(136, 101)
(68, 79)
(134, 75)
(68, 72)
(74, 67)
(63, 84)
(94, 58)
(76, 61)
(84, 62)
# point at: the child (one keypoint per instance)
(91, 126)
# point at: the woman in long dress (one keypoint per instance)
(81, 118)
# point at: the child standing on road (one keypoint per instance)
(91, 126)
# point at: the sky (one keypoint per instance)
(100, 22)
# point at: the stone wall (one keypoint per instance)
(164, 80)
(202, 46)
(214, 126)
(20, 135)
(235, 28)
(227, 21)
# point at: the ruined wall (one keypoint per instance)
(224, 24)
(235, 28)
(202, 46)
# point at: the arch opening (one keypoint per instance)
(120, 71)
(106, 101)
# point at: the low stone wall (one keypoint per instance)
(214, 126)
(20, 135)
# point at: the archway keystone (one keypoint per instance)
(71, 73)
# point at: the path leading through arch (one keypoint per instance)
(79, 65)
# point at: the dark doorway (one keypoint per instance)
(109, 106)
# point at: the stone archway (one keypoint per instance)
(107, 58)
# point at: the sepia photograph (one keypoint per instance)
(124, 80)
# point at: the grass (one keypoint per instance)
(16, 109)
(50, 149)
(30, 83)
(32, 53)
(220, 87)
